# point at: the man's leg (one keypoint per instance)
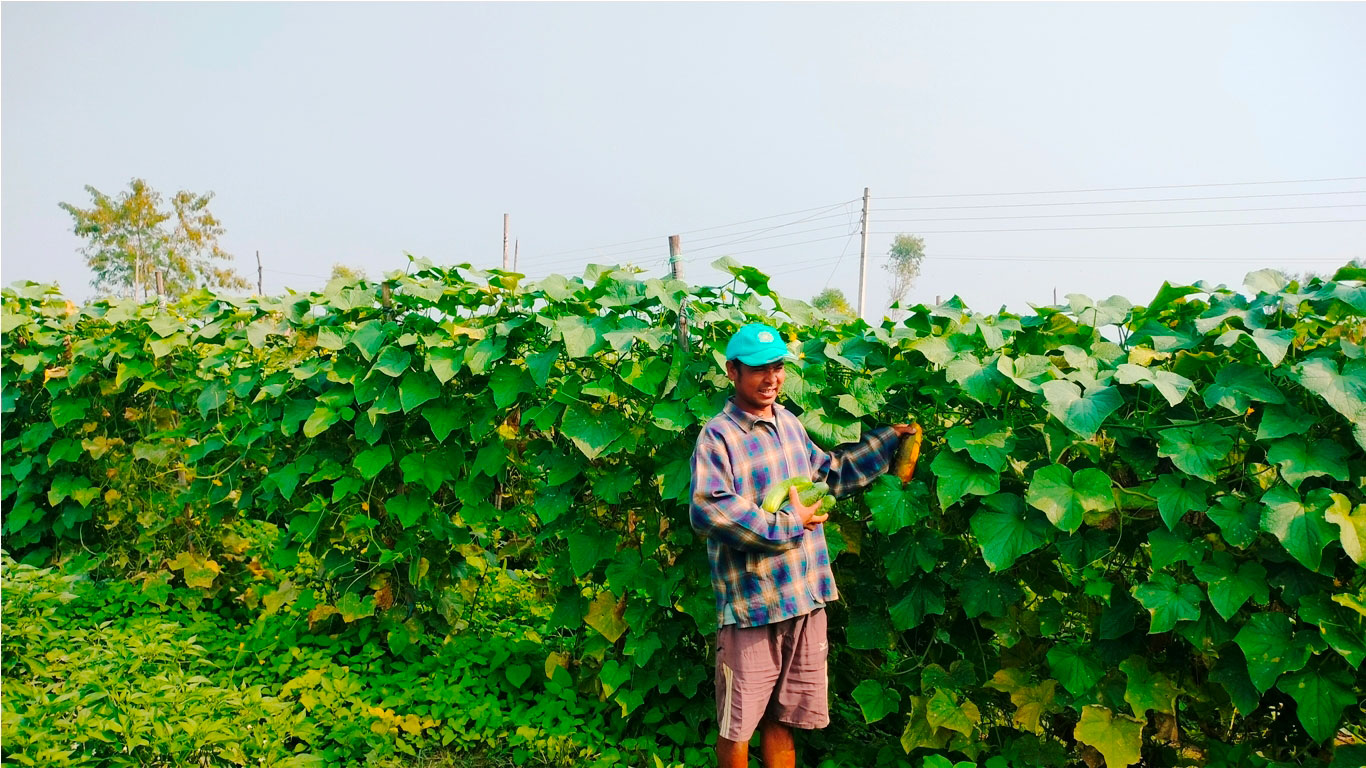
(731, 754)
(776, 744)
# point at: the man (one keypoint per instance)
(771, 571)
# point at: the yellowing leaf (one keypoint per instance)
(1352, 526)
(1118, 738)
(605, 614)
(554, 660)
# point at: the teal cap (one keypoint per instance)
(757, 344)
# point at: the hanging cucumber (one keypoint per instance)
(907, 455)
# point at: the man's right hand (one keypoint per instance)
(809, 515)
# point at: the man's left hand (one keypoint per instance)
(906, 430)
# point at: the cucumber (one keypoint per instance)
(777, 495)
(814, 494)
(807, 492)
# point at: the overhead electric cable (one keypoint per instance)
(702, 229)
(1126, 189)
(1136, 226)
(1121, 202)
(1127, 213)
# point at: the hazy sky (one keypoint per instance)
(352, 133)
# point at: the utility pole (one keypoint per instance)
(676, 269)
(863, 255)
(260, 280)
(506, 264)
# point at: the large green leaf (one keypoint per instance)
(1176, 495)
(393, 361)
(1344, 390)
(945, 711)
(875, 700)
(1082, 415)
(1065, 497)
(958, 477)
(1075, 666)
(1169, 602)
(1200, 451)
(1344, 630)
(893, 507)
(1230, 584)
(508, 383)
(1273, 344)
(368, 338)
(1147, 690)
(1283, 420)
(1239, 520)
(1172, 386)
(1321, 693)
(1271, 648)
(923, 597)
(1301, 459)
(593, 432)
(416, 388)
(988, 442)
(1007, 531)
(578, 335)
(589, 547)
(981, 381)
(830, 430)
(1300, 524)
(371, 461)
(1237, 384)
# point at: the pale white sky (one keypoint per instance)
(352, 133)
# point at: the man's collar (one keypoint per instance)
(745, 419)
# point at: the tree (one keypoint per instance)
(903, 261)
(349, 274)
(132, 238)
(832, 300)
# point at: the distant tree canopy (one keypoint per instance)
(132, 238)
(349, 274)
(832, 300)
(903, 261)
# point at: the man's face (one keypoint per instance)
(756, 386)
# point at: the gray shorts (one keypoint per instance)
(778, 670)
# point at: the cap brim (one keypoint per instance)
(764, 359)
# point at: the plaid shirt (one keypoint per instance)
(766, 567)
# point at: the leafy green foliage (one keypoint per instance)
(409, 442)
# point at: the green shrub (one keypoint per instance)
(1136, 533)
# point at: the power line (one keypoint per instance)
(785, 245)
(1136, 226)
(1126, 189)
(702, 229)
(294, 274)
(1128, 213)
(653, 248)
(1121, 202)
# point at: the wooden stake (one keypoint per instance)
(863, 255)
(260, 279)
(516, 246)
(676, 269)
(505, 243)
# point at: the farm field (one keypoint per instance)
(442, 519)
